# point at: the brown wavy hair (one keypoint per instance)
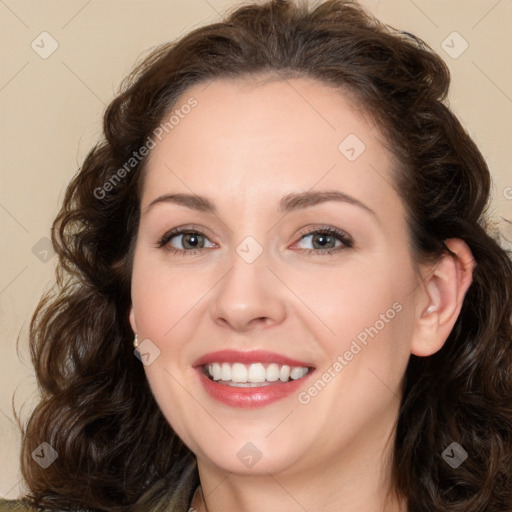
(115, 449)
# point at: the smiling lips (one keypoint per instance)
(250, 379)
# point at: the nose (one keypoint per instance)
(249, 297)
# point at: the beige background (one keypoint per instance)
(51, 115)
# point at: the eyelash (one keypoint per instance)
(337, 233)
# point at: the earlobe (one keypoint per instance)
(444, 286)
(131, 318)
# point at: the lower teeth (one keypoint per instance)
(246, 384)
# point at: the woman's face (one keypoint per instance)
(255, 274)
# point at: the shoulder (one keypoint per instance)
(17, 506)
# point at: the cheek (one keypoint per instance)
(165, 301)
(353, 297)
(368, 310)
(162, 295)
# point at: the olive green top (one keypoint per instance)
(23, 506)
(15, 506)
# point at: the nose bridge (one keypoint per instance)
(249, 293)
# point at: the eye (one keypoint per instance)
(324, 241)
(190, 240)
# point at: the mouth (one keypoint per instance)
(251, 379)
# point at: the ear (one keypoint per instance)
(443, 291)
(131, 317)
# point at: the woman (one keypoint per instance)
(288, 223)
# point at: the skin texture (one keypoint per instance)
(245, 145)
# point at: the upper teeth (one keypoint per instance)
(256, 372)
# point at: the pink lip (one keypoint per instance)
(253, 356)
(249, 398)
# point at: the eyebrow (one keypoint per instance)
(288, 203)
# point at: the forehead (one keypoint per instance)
(244, 138)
